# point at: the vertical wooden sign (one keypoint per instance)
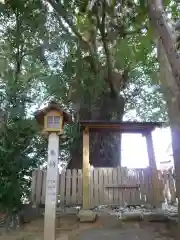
(51, 188)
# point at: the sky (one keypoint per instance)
(134, 149)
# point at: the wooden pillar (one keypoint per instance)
(86, 169)
(51, 188)
(150, 150)
(153, 174)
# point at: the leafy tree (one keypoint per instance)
(21, 148)
(97, 60)
(108, 50)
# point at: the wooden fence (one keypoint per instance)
(169, 189)
(107, 186)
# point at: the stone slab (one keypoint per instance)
(87, 216)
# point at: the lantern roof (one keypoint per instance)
(39, 115)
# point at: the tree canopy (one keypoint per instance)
(96, 58)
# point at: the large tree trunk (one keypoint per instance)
(168, 86)
(105, 147)
(170, 79)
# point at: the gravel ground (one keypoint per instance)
(131, 233)
(108, 225)
(119, 211)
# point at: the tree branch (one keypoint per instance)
(163, 30)
(101, 26)
(18, 55)
(62, 12)
(177, 25)
(59, 8)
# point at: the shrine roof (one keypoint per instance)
(119, 126)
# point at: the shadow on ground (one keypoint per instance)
(106, 227)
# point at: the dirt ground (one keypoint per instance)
(68, 228)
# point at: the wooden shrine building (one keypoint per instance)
(115, 126)
(88, 127)
(106, 185)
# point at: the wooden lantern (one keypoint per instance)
(52, 118)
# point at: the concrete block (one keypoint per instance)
(87, 216)
(156, 217)
(29, 213)
(132, 216)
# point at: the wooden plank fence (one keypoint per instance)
(107, 186)
(169, 188)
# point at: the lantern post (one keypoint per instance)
(52, 119)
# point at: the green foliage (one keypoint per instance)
(21, 152)
(54, 48)
(21, 147)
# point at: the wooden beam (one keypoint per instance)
(86, 168)
(122, 186)
(153, 171)
(150, 150)
(51, 188)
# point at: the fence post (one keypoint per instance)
(172, 185)
(33, 187)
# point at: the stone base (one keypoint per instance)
(156, 217)
(29, 213)
(87, 216)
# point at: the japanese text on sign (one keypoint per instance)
(52, 164)
(51, 187)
